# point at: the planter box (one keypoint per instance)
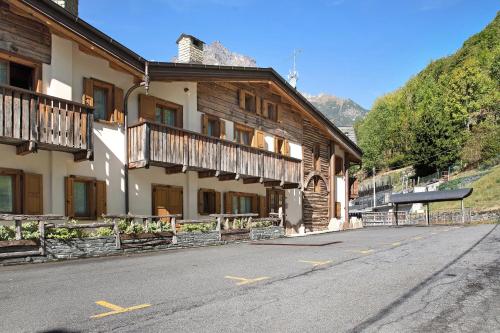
(147, 235)
(235, 235)
(272, 232)
(15, 243)
(198, 238)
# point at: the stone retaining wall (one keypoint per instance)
(267, 233)
(80, 247)
(198, 238)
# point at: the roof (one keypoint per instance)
(176, 71)
(431, 196)
(349, 131)
(196, 40)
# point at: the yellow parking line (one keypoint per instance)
(418, 237)
(244, 281)
(117, 309)
(316, 263)
(368, 251)
(396, 244)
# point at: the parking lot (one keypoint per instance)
(437, 278)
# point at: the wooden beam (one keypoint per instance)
(26, 148)
(207, 174)
(228, 176)
(82, 155)
(252, 180)
(176, 169)
(137, 165)
(290, 186)
(272, 183)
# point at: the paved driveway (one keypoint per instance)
(406, 279)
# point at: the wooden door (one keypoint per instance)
(275, 201)
(167, 200)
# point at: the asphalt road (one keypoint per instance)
(410, 279)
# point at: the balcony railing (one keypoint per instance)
(165, 146)
(32, 121)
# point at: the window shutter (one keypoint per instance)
(337, 209)
(200, 202)
(228, 202)
(255, 204)
(33, 194)
(101, 202)
(258, 140)
(222, 126)
(258, 105)
(217, 202)
(68, 189)
(88, 92)
(265, 110)
(241, 95)
(204, 124)
(179, 118)
(285, 149)
(262, 206)
(118, 115)
(147, 107)
(279, 113)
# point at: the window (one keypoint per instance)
(271, 110)
(317, 184)
(316, 157)
(243, 134)
(208, 202)
(275, 200)
(7, 194)
(106, 99)
(20, 192)
(213, 126)
(165, 115)
(242, 204)
(281, 146)
(339, 170)
(247, 101)
(85, 197)
(16, 75)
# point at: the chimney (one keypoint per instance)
(190, 49)
(70, 5)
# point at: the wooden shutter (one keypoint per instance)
(88, 92)
(338, 209)
(175, 200)
(68, 196)
(118, 114)
(101, 202)
(204, 124)
(255, 204)
(285, 149)
(33, 194)
(279, 113)
(147, 107)
(258, 105)
(200, 202)
(179, 118)
(241, 99)
(222, 126)
(217, 202)
(265, 110)
(262, 206)
(228, 202)
(258, 140)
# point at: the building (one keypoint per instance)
(89, 127)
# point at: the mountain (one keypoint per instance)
(218, 54)
(342, 112)
(446, 115)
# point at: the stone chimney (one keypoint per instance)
(190, 49)
(70, 5)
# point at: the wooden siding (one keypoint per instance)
(24, 37)
(221, 99)
(161, 145)
(315, 204)
(44, 122)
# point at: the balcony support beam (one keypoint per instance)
(272, 183)
(253, 180)
(289, 186)
(176, 169)
(229, 176)
(26, 148)
(207, 174)
(83, 155)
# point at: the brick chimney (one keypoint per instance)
(190, 49)
(70, 5)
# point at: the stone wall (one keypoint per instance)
(492, 215)
(198, 238)
(267, 233)
(81, 247)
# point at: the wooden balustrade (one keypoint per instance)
(165, 146)
(32, 121)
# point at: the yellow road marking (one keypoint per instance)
(117, 309)
(433, 233)
(396, 244)
(364, 251)
(244, 281)
(316, 263)
(418, 237)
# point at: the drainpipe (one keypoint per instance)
(145, 84)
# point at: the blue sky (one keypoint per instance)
(358, 49)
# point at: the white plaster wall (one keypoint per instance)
(229, 130)
(293, 200)
(340, 182)
(296, 150)
(57, 78)
(269, 142)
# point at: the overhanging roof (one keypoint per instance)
(432, 196)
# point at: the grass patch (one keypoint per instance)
(485, 196)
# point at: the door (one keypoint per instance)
(276, 201)
(167, 200)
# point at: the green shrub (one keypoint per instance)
(6, 233)
(159, 226)
(263, 224)
(65, 233)
(30, 230)
(102, 232)
(197, 227)
(134, 228)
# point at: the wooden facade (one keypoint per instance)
(32, 121)
(165, 146)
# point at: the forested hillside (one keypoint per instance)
(448, 113)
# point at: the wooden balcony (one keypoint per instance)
(179, 150)
(32, 121)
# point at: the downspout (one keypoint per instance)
(145, 84)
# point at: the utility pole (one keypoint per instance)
(373, 184)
